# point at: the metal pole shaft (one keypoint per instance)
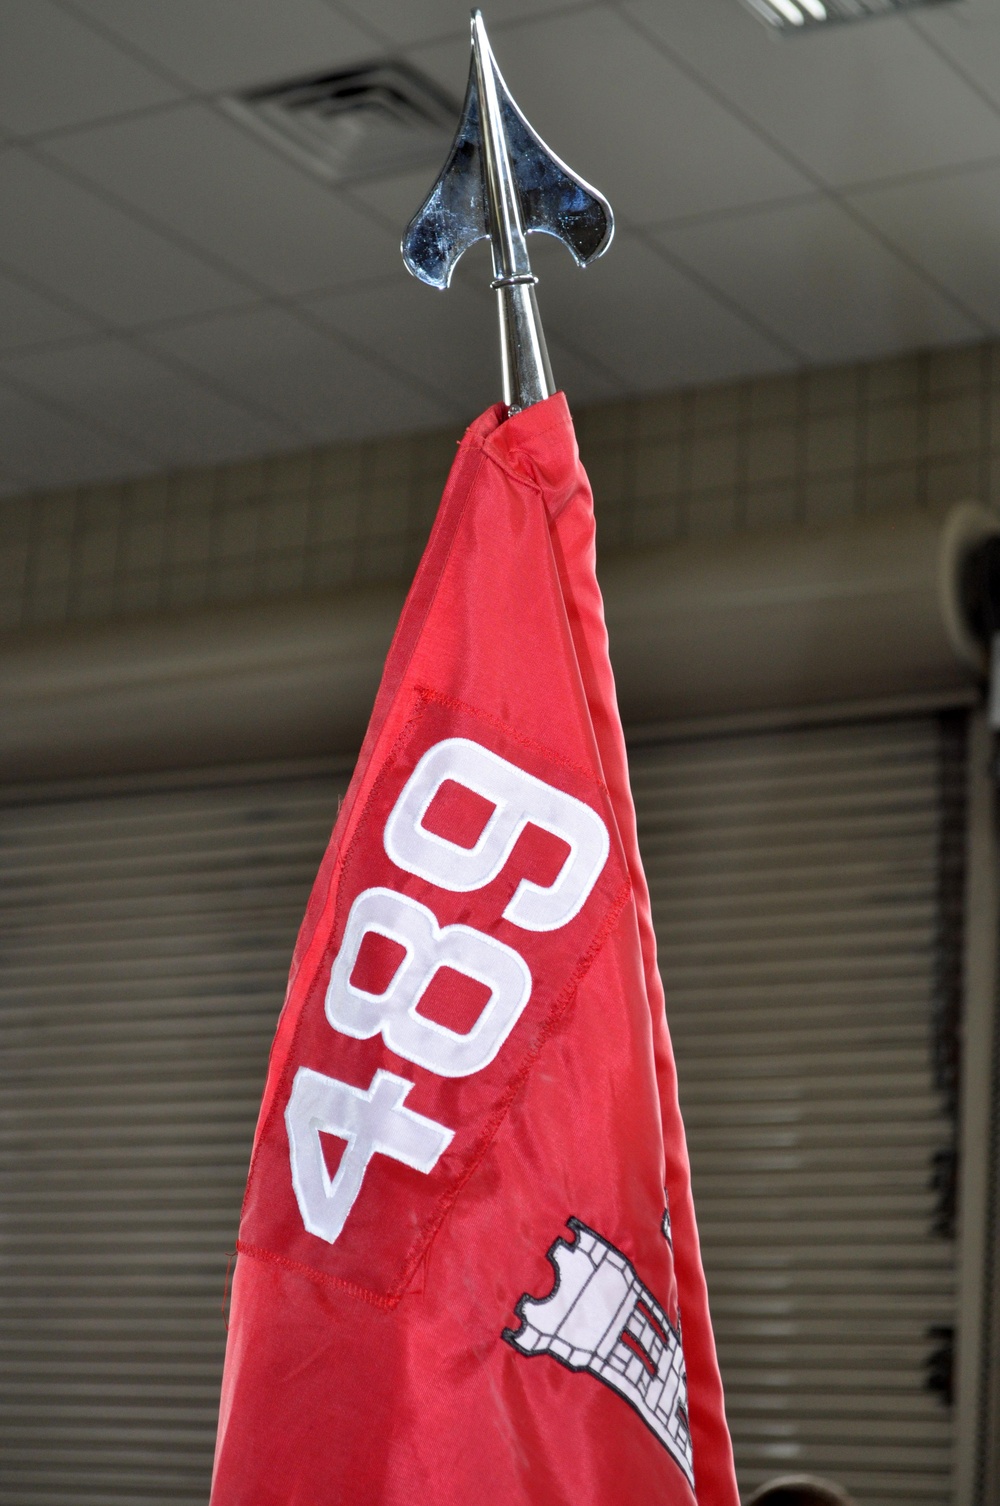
(527, 374)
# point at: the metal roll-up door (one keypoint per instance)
(144, 945)
(144, 938)
(803, 887)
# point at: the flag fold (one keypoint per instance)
(468, 1264)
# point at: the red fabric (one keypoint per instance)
(374, 1368)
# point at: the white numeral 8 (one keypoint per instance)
(428, 947)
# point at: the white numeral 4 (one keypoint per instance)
(370, 1121)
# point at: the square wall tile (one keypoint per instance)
(336, 520)
(720, 407)
(98, 552)
(951, 481)
(657, 468)
(893, 487)
(711, 514)
(653, 524)
(954, 424)
(661, 416)
(93, 596)
(894, 379)
(142, 546)
(772, 452)
(771, 507)
(188, 539)
(329, 566)
(282, 574)
(955, 370)
(832, 389)
(284, 525)
(187, 587)
(236, 533)
(13, 570)
(894, 432)
(234, 579)
(831, 442)
(47, 601)
(133, 593)
(715, 459)
(773, 399)
(829, 499)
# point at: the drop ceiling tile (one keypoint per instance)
(578, 375)
(950, 225)
(227, 44)
(970, 35)
(427, 20)
(47, 448)
(853, 103)
(578, 370)
(156, 409)
(446, 340)
(56, 72)
(90, 253)
(310, 380)
(820, 281)
(28, 318)
(449, 340)
(396, 198)
(626, 119)
(674, 334)
(203, 178)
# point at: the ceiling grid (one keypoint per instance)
(175, 291)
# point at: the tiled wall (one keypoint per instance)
(822, 444)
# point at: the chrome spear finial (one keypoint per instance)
(499, 183)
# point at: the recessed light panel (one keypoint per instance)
(797, 16)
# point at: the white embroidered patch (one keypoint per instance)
(599, 1317)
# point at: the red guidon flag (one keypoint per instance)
(468, 1264)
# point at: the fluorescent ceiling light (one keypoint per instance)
(794, 17)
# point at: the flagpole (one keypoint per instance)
(500, 182)
(527, 374)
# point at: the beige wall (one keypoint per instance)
(820, 444)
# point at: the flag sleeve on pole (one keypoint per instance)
(469, 1267)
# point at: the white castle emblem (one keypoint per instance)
(599, 1317)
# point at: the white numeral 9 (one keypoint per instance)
(519, 798)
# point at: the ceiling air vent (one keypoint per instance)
(354, 123)
(798, 16)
